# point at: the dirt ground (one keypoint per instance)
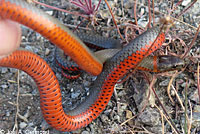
(20, 100)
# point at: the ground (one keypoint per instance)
(130, 97)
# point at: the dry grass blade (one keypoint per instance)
(186, 102)
(167, 120)
(163, 123)
(165, 111)
(179, 100)
(190, 121)
(169, 85)
(15, 128)
(198, 81)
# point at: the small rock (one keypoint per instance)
(164, 83)
(4, 86)
(128, 4)
(129, 114)
(194, 96)
(86, 83)
(8, 113)
(149, 117)
(4, 70)
(47, 51)
(104, 118)
(92, 130)
(30, 48)
(44, 125)
(111, 4)
(104, 14)
(85, 132)
(75, 95)
(22, 125)
(195, 119)
(185, 2)
(13, 70)
(49, 12)
(122, 108)
(117, 118)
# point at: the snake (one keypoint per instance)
(110, 46)
(50, 93)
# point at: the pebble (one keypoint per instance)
(8, 113)
(117, 118)
(85, 132)
(47, 51)
(49, 12)
(22, 125)
(104, 14)
(44, 125)
(185, 2)
(4, 86)
(122, 108)
(128, 4)
(129, 114)
(149, 117)
(86, 83)
(76, 94)
(194, 96)
(91, 128)
(104, 118)
(4, 70)
(13, 70)
(164, 82)
(195, 119)
(111, 4)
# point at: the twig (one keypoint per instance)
(198, 81)
(186, 128)
(165, 111)
(168, 121)
(192, 43)
(149, 8)
(15, 128)
(169, 85)
(179, 99)
(62, 10)
(184, 11)
(190, 121)
(163, 124)
(175, 6)
(113, 17)
(153, 13)
(135, 14)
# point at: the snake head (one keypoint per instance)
(167, 62)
